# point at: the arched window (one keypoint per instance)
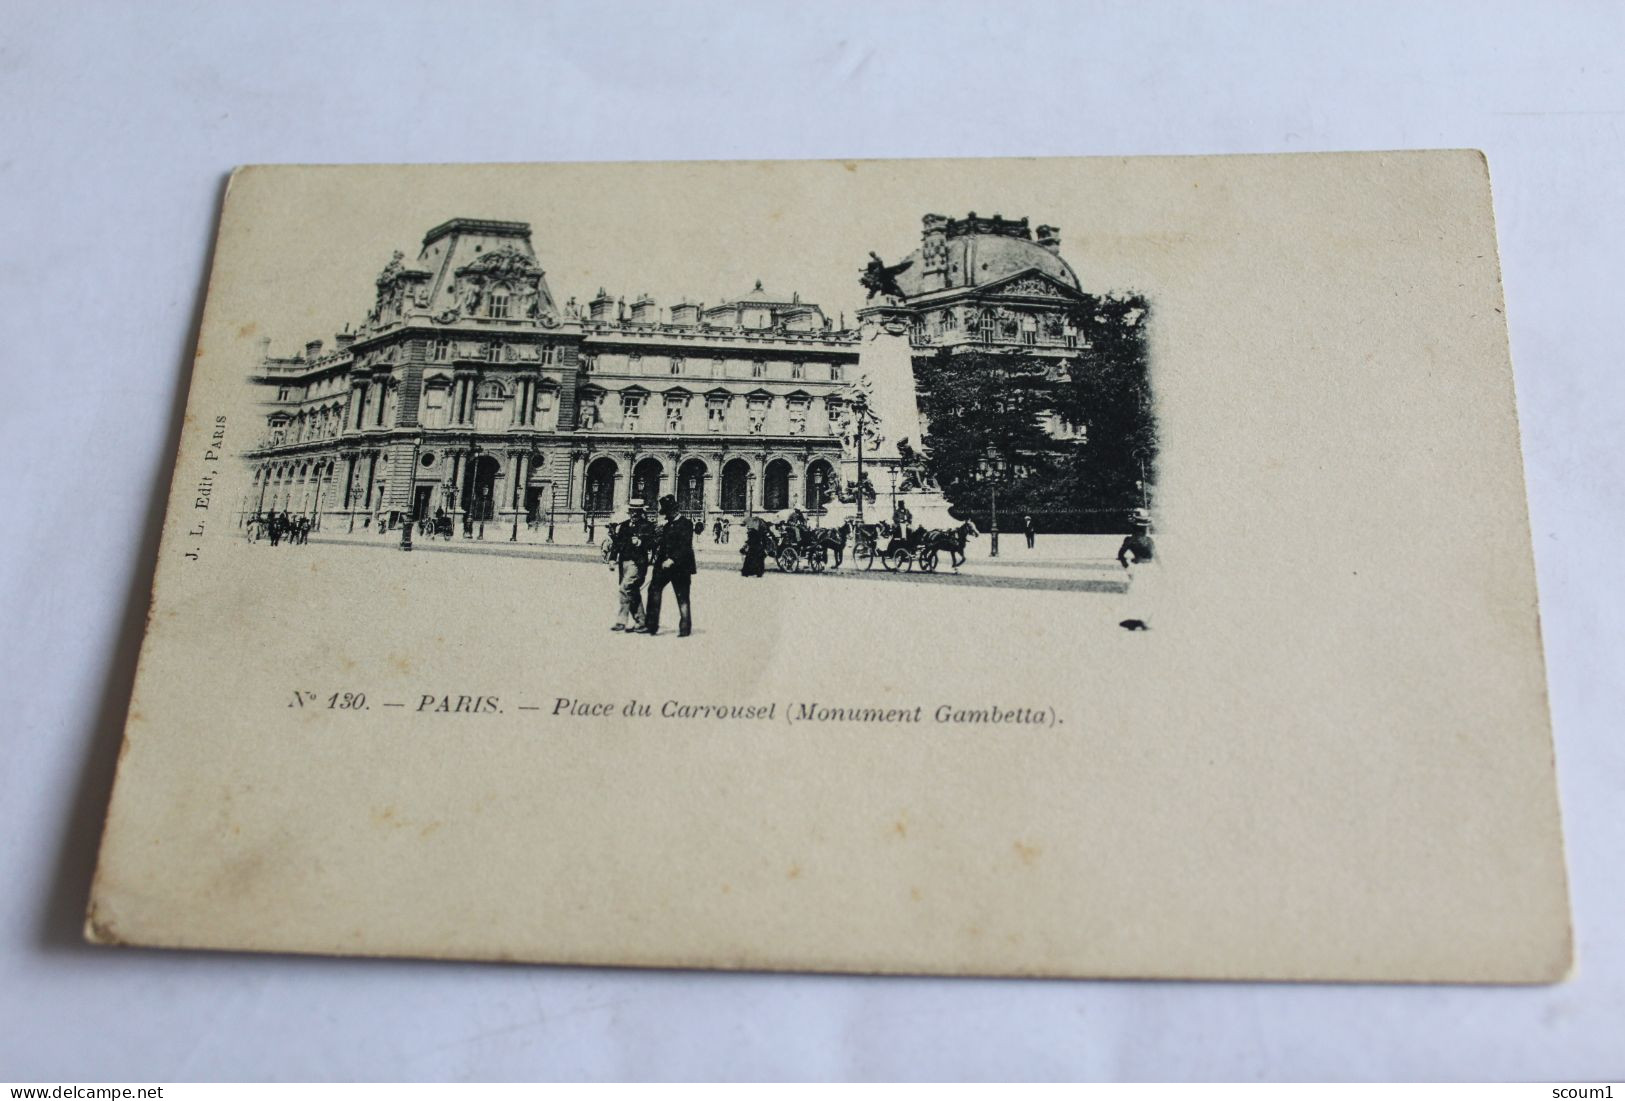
(497, 304)
(599, 495)
(776, 486)
(691, 487)
(735, 485)
(820, 485)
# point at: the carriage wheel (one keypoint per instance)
(864, 554)
(928, 560)
(817, 559)
(894, 558)
(787, 559)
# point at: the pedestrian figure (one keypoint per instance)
(1138, 556)
(273, 528)
(1032, 532)
(631, 539)
(673, 563)
(755, 549)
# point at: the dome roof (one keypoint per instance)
(979, 251)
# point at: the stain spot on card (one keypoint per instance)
(794, 872)
(1028, 854)
(99, 927)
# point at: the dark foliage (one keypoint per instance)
(986, 410)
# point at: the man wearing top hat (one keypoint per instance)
(673, 563)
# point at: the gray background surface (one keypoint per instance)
(118, 123)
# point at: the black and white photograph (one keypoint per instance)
(972, 388)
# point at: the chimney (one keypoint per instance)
(1050, 237)
(933, 252)
(685, 313)
(598, 308)
(343, 340)
(643, 311)
(312, 350)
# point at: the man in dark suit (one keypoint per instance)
(674, 563)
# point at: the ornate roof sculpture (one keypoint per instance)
(975, 252)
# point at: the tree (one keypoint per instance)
(1108, 393)
(983, 405)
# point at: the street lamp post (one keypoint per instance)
(552, 509)
(993, 469)
(750, 493)
(469, 482)
(409, 520)
(993, 493)
(518, 499)
(860, 411)
(485, 507)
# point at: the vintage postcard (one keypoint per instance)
(1093, 568)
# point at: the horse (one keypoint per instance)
(831, 539)
(878, 534)
(951, 540)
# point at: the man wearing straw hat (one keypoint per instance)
(631, 537)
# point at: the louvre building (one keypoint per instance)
(469, 388)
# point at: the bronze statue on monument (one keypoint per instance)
(882, 280)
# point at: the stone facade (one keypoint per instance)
(468, 388)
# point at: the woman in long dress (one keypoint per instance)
(755, 548)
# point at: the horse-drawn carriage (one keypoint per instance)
(795, 547)
(438, 524)
(922, 546)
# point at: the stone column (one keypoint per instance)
(358, 402)
(576, 492)
(713, 485)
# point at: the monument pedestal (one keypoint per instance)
(887, 381)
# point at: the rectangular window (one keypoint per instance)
(498, 304)
(798, 369)
(758, 416)
(835, 372)
(674, 416)
(493, 351)
(442, 350)
(716, 414)
(757, 368)
(631, 406)
(676, 365)
(798, 419)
